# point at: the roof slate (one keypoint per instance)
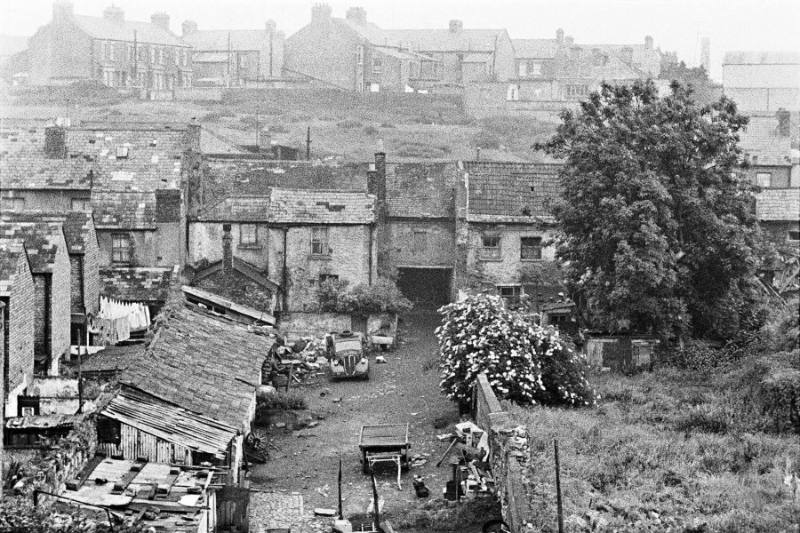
(760, 139)
(112, 358)
(42, 242)
(137, 284)
(78, 225)
(203, 364)
(761, 57)
(32, 170)
(443, 40)
(124, 210)
(515, 192)
(237, 209)
(142, 32)
(297, 206)
(421, 190)
(778, 204)
(12, 251)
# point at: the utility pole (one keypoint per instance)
(135, 58)
(559, 507)
(308, 144)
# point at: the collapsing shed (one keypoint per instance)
(621, 353)
(136, 425)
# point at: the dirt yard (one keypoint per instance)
(405, 389)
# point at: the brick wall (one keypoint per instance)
(205, 242)
(19, 335)
(315, 324)
(324, 51)
(91, 273)
(421, 243)
(76, 283)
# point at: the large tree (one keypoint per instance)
(658, 228)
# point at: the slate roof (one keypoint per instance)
(421, 190)
(218, 40)
(136, 284)
(761, 57)
(776, 205)
(443, 40)
(535, 48)
(124, 210)
(42, 241)
(146, 32)
(32, 170)
(760, 140)
(237, 209)
(203, 364)
(298, 206)
(169, 422)
(112, 358)
(511, 192)
(11, 251)
(78, 226)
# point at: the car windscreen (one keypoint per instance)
(348, 345)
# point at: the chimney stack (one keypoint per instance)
(321, 14)
(569, 40)
(62, 11)
(456, 26)
(55, 142)
(227, 250)
(114, 14)
(160, 19)
(560, 35)
(648, 42)
(357, 15)
(784, 122)
(188, 27)
(271, 26)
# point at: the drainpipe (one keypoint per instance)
(371, 237)
(283, 274)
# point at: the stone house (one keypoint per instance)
(234, 57)
(351, 53)
(317, 235)
(504, 227)
(420, 220)
(83, 252)
(770, 143)
(48, 254)
(17, 295)
(762, 80)
(37, 172)
(110, 50)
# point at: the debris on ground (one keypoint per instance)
(380, 359)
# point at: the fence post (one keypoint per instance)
(559, 508)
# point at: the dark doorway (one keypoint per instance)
(428, 288)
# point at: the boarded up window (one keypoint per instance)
(530, 248)
(108, 430)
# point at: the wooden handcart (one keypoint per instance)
(384, 443)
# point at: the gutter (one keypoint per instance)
(371, 237)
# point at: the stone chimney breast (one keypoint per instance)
(560, 35)
(320, 14)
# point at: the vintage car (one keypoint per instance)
(347, 355)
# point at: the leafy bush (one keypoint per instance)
(779, 392)
(487, 140)
(281, 400)
(525, 363)
(782, 330)
(381, 297)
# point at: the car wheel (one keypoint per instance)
(495, 526)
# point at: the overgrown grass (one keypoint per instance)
(664, 451)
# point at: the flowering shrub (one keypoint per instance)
(381, 297)
(524, 363)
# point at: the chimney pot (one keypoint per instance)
(114, 14)
(320, 14)
(456, 26)
(648, 42)
(271, 26)
(227, 250)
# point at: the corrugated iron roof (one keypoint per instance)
(170, 422)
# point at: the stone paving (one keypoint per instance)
(273, 510)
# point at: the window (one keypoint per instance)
(319, 241)
(108, 430)
(420, 242)
(13, 204)
(122, 152)
(248, 235)
(577, 90)
(360, 55)
(377, 65)
(534, 68)
(530, 248)
(152, 55)
(120, 248)
(764, 179)
(242, 61)
(490, 246)
(160, 56)
(793, 235)
(131, 55)
(327, 277)
(80, 204)
(185, 56)
(509, 293)
(523, 69)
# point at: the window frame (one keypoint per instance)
(790, 233)
(377, 65)
(537, 256)
(80, 204)
(121, 255)
(767, 175)
(516, 293)
(109, 430)
(249, 243)
(320, 241)
(12, 203)
(419, 241)
(491, 253)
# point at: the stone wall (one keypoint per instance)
(509, 456)
(313, 324)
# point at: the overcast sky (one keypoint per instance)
(674, 24)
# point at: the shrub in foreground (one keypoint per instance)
(525, 363)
